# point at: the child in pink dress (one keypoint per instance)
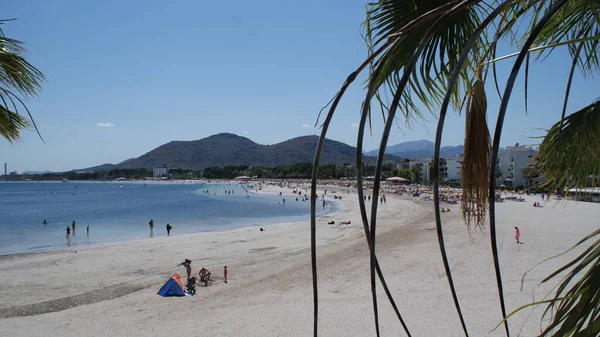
(517, 234)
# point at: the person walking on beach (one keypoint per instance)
(517, 234)
(225, 273)
(169, 227)
(68, 232)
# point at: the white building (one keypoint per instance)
(453, 166)
(161, 171)
(424, 164)
(512, 161)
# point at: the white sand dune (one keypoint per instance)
(111, 289)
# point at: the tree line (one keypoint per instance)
(293, 171)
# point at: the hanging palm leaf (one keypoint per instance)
(417, 51)
(476, 162)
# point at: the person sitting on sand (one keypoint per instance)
(204, 276)
(190, 287)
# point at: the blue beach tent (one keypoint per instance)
(172, 287)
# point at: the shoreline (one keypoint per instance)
(270, 290)
(330, 212)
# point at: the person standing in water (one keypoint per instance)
(151, 224)
(73, 227)
(517, 234)
(169, 227)
(68, 232)
(87, 229)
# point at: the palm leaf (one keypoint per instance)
(576, 302)
(11, 123)
(16, 75)
(533, 34)
(569, 156)
(429, 78)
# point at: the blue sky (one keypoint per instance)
(124, 77)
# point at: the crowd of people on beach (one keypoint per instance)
(204, 277)
(299, 189)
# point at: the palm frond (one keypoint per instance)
(438, 140)
(569, 81)
(16, 75)
(576, 302)
(422, 49)
(11, 123)
(365, 115)
(510, 82)
(429, 78)
(576, 19)
(569, 156)
(15, 71)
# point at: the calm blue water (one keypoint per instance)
(121, 211)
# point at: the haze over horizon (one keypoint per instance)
(118, 87)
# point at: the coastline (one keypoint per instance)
(192, 225)
(269, 292)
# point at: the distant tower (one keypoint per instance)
(5, 170)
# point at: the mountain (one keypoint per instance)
(107, 166)
(36, 172)
(419, 148)
(228, 149)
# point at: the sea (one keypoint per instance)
(121, 211)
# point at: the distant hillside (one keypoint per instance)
(229, 149)
(106, 167)
(419, 148)
(36, 172)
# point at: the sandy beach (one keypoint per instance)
(111, 289)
